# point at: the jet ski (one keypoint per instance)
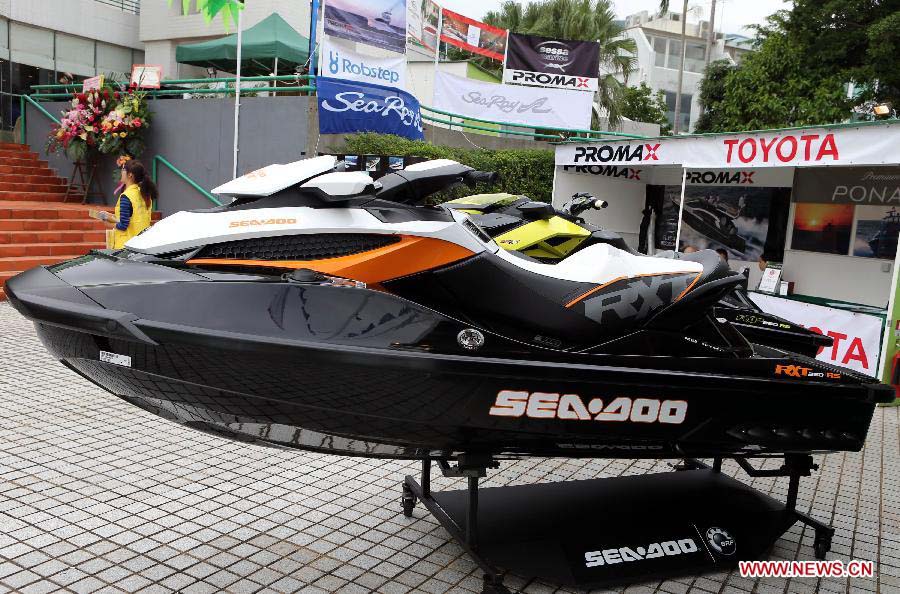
(549, 234)
(322, 310)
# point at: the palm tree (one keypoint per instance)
(585, 20)
(663, 9)
(210, 8)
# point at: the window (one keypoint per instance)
(695, 57)
(31, 46)
(75, 55)
(113, 58)
(685, 121)
(4, 39)
(659, 50)
(674, 54)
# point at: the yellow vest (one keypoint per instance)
(140, 217)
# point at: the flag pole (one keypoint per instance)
(437, 53)
(237, 98)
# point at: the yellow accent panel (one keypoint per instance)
(531, 238)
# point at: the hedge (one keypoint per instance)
(522, 171)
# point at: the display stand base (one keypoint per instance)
(599, 532)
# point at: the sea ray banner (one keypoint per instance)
(361, 107)
(546, 62)
(534, 107)
(421, 24)
(473, 36)
(381, 23)
(343, 64)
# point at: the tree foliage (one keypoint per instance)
(210, 8)
(585, 20)
(641, 104)
(522, 171)
(804, 60)
(712, 97)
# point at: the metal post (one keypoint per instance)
(472, 514)
(275, 82)
(677, 128)
(313, 27)
(21, 119)
(711, 34)
(426, 477)
(680, 208)
(237, 98)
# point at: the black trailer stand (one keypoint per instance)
(618, 530)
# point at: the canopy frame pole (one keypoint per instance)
(275, 94)
(681, 208)
(313, 29)
(237, 98)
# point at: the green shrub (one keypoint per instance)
(522, 171)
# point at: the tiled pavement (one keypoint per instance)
(96, 495)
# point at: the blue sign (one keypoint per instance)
(361, 107)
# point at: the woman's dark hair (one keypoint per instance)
(142, 179)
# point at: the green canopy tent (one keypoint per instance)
(270, 46)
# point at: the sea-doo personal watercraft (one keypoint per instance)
(549, 234)
(324, 311)
(714, 220)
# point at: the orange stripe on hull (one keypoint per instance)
(408, 256)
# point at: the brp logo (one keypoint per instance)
(721, 542)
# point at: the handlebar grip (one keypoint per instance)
(481, 177)
(598, 203)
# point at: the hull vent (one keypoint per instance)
(298, 247)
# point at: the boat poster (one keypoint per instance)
(876, 231)
(823, 228)
(732, 218)
(381, 23)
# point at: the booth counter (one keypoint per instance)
(823, 202)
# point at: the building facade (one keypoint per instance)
(51, 41)
(658, 40)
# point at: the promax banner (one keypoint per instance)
(362, 107)
(545, 62)
(341, 63)
(533, 107)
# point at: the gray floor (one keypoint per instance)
(96, 495)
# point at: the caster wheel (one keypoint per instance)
(822, 545)
(408, 501)
(494, 585)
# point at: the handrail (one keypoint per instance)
(22, 100)
(486, 129)
(456, 115)
(182, 175)
(190, 81)
(154, 93)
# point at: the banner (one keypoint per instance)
(421, 24)
(871, 185)
(533, 107)
(362, 107)
(815, 147)
(473, 36)
(343, 64)
(546, 62)
(381, 23)
(857, 336)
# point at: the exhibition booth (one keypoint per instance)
(817, 209)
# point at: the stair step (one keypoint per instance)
(25, 187)
(17, 154)
(34, 196)
(51, 225)
(39, 168)
(47, 236)
(12, 209)
(13, 146)
(32, 178)
(48, 249)
(19, 159)
(22, 263)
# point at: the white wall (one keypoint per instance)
(420, 78)
(84, 18)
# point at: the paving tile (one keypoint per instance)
(96, 495)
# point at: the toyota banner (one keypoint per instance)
(545, 62)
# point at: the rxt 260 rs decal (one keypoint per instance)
(570, 407)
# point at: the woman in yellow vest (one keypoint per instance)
(134, 206)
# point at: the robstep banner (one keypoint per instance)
(473, 36)
(814, 147)
(534, 107)
(343, 64)
(360, 107)
(381, 23)
(857, 336)
(545, 62)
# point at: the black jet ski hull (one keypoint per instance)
(361, 372)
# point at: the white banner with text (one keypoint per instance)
(341, 63)
(534, 107)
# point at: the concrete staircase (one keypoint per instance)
(37, 226)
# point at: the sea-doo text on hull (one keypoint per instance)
(323, 311)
